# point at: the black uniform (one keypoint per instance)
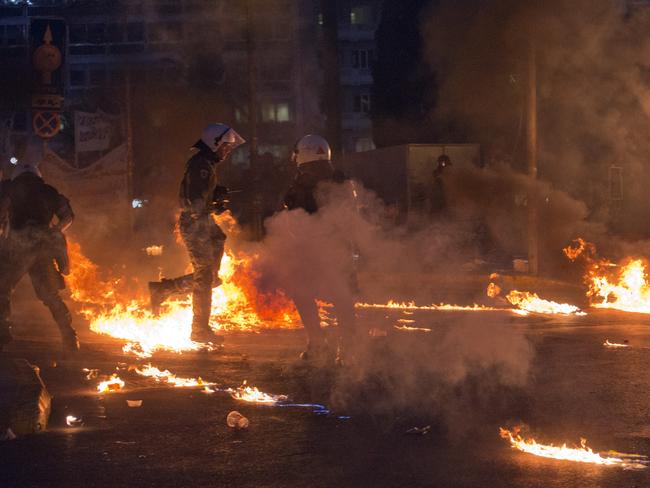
(202, 236)
(303, 194)
(32, 247)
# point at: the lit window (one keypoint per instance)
(276, 112)
(241, 115)
(361, 15)
(364, 144)
(282, 112)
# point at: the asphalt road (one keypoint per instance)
(473, 373)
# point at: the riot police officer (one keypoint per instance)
(33, 245)
(312, 156)
(202, 236)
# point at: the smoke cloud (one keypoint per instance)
(463, 360)
(593, 93)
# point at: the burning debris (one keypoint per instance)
(531, 302)
(607, 343)
(526, 302)
(168, 377)
(622, 286)
(582, 454)
(114, 383)
(251, 394)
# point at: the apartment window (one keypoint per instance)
(362, 103)
(77, 77)
(362, 58)
(77, 33)
(97, 76)
(361, 15)
(115, 32)
(241, 115)
(117, 77)
(364, 144)
(276, 112)
(97, 33)
(15, 35)
(277, 69)
(135, 32)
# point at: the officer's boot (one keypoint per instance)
(201, 308)
(69, 338)
(159, 291)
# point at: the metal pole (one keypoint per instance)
(331, 74)
(533, 231)
(251, 51)
(128, 128)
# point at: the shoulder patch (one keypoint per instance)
(205, 174)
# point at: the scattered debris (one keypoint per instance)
(73, 421)
(8, 435)
(91, 374)
(607, 343)
(114, 383)
(419, 430)
(236, 420)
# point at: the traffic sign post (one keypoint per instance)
(47, 41)
(46, 124)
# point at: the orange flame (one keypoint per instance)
(622, 287)
(251, 394)
(114, 383)
(531, 302)
(168, 377)
(114, 307)
(582, 454)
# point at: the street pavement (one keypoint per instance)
(473, 373)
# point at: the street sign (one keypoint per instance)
(47, 102)
(46, 124)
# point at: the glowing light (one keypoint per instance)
(412, 306)
(407, 328)
(73, 421)
(607, 343)
(154, 250)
